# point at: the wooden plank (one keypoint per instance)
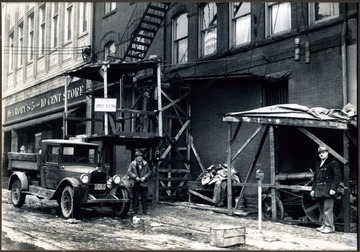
(319, 142)
(247, 142)
(175, 170)
(201, 196)
(196, 154)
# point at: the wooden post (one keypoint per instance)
(65, 124)
(346, 199)
(158, 79)
(272, 171)
(229, 187)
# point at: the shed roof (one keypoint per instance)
(296, 115)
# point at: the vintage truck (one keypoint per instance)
(69, 172)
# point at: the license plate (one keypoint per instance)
(99, 186)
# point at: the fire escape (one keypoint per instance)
(172, 155)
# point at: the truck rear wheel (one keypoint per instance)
(68, 208)
(17, 197)
(121, 209)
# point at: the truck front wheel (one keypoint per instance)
(68, 208)
(121, 209)
(17, 197)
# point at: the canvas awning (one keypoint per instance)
(296, 115)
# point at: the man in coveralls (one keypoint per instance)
(325, 187)
(139, 173)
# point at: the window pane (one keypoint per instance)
(209, 15)
(241, 9)
(210, 41)
(243, 29)
(242, 23)
(181, 29)
(325, 10)
(280, 17)
(182, 51)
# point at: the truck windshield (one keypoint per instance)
(80, 154)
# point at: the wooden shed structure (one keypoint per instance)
(304, 120)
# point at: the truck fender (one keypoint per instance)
(23, 179)
(63, 183)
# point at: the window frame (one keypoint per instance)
(233, 25)
(11, 52)
(83, 18)
(312, 14)
(69, 15)
(270, 29)
(31, 37)
(21, 44)
(42, 27)
(177, 40)
(206, 31)
(55, 25)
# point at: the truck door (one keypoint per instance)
(51, 167)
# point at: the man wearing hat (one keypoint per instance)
(325, 185)
(139, 173)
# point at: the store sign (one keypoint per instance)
(45, 103)
(105, 105)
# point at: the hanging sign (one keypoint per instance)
(105, 105)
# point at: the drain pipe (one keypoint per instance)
(344, 56)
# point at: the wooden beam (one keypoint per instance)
(319, 142)
(196, 153)
(247, 142)
(229, 165)
(254, 162)
(200, 196)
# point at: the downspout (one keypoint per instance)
(344, 55)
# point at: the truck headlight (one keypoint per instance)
(116, 179)
(85, 178)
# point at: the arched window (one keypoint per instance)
(180, 28)
(208, 29)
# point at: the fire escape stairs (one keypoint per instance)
(143, 36)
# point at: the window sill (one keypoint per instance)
(83, 34)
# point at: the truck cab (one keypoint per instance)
(69, 172)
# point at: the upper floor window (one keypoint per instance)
(110, 6)
(11, 52)
(31, 36)
(278, 17)
(54, 24)
(241, 22)
(181, 38)
(42, 28)
(209, 28)
(68, 22)
(110, 49)
(21, 43)
(84, 17)
(321, 11)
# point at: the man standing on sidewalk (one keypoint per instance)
(325, 186)
(139, 173)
